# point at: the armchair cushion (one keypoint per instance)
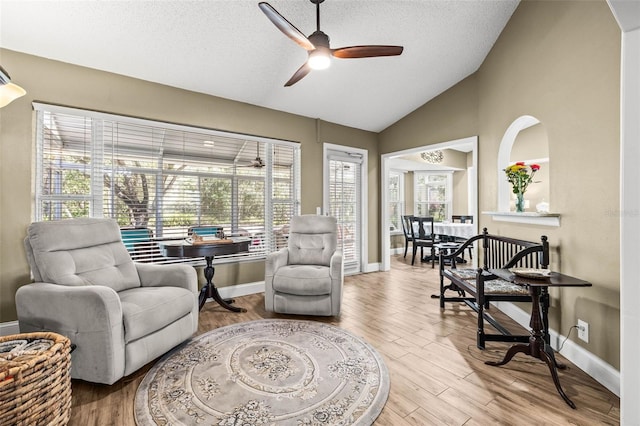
(148, 309)
(81, 252)
(303, 280)
(312, 241)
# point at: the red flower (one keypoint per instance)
(535, 167)
(521, 163)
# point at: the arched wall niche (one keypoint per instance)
(507, 146)
(532, 147)
(540, 156)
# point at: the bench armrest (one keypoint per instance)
(454, 254)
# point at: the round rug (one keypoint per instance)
(266, 372)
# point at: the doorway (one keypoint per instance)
(469, 145)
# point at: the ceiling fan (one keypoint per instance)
(257, 163)
(317, 44)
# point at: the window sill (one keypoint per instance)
(533, 218)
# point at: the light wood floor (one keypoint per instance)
(438, 376)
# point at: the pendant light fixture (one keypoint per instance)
(8, 90)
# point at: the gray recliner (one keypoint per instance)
(119, 314)
(306, 277)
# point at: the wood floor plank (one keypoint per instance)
(411, 378)
(424, 416)
(389, 417)
(477, 411)
(438, 376)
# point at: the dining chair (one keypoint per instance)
(408, 235)
(422, 236)
(463, 219)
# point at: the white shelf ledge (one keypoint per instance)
(533, 218)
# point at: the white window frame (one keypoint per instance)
(400, 201)
(448, 190)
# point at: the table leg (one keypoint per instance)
(210, 290)
(549, 350)
(513, 350)
(556, 380)
(537, 346)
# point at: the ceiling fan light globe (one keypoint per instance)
(319, 59)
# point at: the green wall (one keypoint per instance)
(558, 61)
(69, 85)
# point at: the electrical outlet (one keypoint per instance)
(583, 330)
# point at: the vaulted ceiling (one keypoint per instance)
(230, 49)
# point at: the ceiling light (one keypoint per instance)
(319, 59)
(433, 157)
(8, 90)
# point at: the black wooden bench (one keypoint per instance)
(478, 287)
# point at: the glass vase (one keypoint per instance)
(520, 202)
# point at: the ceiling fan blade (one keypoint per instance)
(352, 52)
(298, 75)
(285, 26)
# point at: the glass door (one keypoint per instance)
(344, 202)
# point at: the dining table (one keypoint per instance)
(449, 232)
(452, 229)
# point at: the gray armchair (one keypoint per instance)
(306, 277)
(119, 314)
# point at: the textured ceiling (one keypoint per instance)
(230, 49)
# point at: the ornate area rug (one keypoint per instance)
(266, 372)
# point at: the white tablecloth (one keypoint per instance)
(461, 230)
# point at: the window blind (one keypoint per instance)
(345, 205)
(162, 181)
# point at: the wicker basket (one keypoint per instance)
(35, 379)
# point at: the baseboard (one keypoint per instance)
(397, 250)
(371, 267)
(232, 291)
(600, 370)
(7, 328)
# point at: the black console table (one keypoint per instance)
(537, 346)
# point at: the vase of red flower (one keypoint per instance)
(520, 176)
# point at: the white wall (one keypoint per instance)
(627, 14)
(630, 230)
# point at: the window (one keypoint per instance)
(396, 200)
(432, 192)
(164, 178)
